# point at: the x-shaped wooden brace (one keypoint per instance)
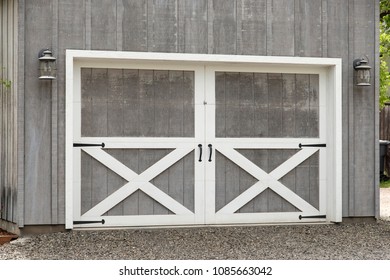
(137, 181)
(267, 180)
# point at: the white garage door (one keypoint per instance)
(182, 144)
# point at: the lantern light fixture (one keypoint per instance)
(47, 65)
(363, 75)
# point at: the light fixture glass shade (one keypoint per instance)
(363, 73)
(363, 77)
(47, 65)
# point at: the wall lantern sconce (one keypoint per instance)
(47, 65)
(363, 75)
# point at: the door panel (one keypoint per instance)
(261, 173)
(147, 167)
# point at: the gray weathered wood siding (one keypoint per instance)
(320, 28)
(8, 107)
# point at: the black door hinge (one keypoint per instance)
(89, 222)
(312, 217)
(88, 145)
(311, 145)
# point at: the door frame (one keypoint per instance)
(328, 68)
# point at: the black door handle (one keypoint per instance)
(200, 149)
(211, 151)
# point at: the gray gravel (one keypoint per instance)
(344, 241)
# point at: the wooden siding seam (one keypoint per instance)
(324, 24)
(376, 106)
(88, 25)
(351, 146)
(54, 121)
(20, 111)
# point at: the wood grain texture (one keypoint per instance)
(192, 26)
(222, 34)
(162, 26)
(364, 114)
(308, 28)
(135, 25)
(103, 25)
(280, 27)
(252, 27)
(38, 23)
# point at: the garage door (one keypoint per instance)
(173, 144)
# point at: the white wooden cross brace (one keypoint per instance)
(267, 180)
(137, 181)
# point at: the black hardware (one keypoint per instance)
(211, 151)
(312, 217)
(311, 145)
(88, 145)
(200, 148)
(89, 222)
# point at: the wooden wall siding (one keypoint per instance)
(328, 28)
(8, 107)
(267, 105)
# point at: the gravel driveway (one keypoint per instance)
(343, 241)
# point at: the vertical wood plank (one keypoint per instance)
(131, 103)
(146, 103)
(163, 104)
(220, 107)
(162, 26)
(313, 119)
(71, 34)
(275, 201)
(20, 111)
(86, 102)
(364, 113)
(308, 29)
(252, 27)
(103, 29)
(99, 102)
(275, 103)
(260, 88)
(189, 103)
(232, 108)
(38, 23)
(192, 26)
(115, 121)
(176, 104)
(280, 27)
(135, 25)
(246, 103)
(302, 84)
(288, 117)
(223, 21)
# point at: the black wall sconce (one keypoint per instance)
(363, 74)
(47, 65)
